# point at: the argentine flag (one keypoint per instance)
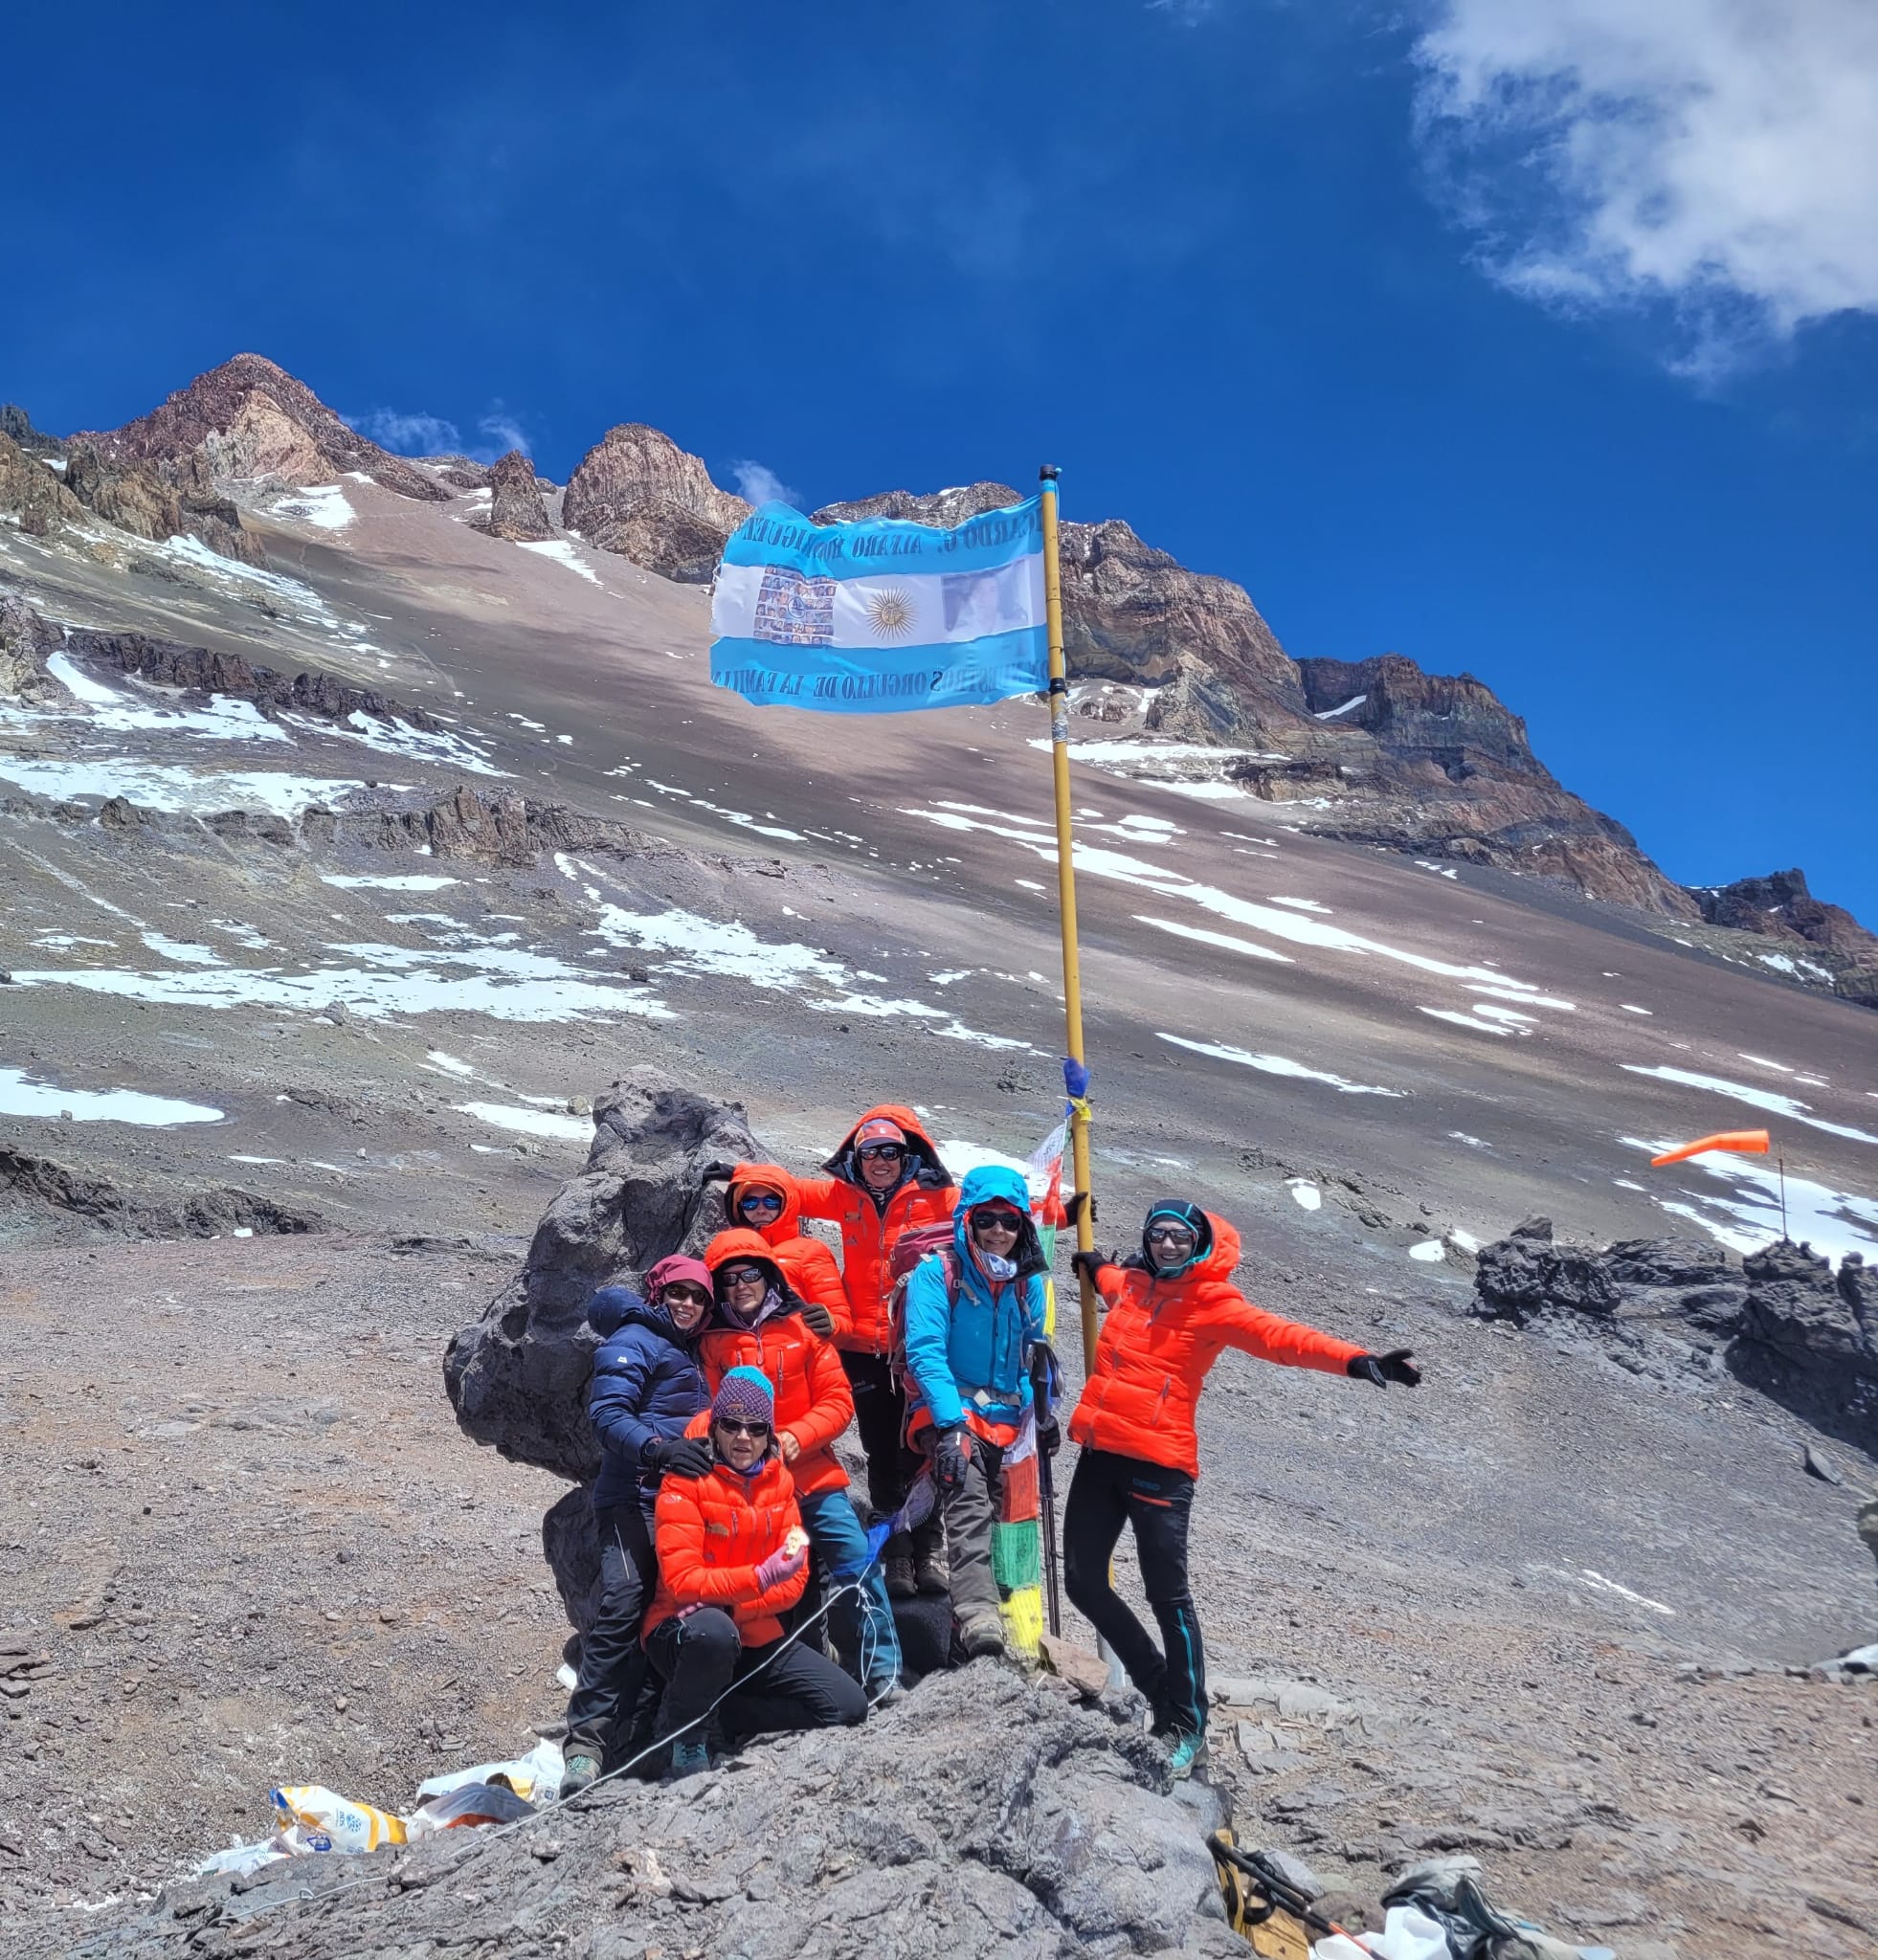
(882, 615)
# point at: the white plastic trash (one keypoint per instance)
(535, 1777)
(1408, 1934)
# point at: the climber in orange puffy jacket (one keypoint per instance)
(1173, 1309)
(760, 1199)
(732, 1558)
(760, 1323)
(886, 1178)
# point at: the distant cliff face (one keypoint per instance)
(250, 418)
(1779, 907)
(638, 494)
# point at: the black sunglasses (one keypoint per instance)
(1007, 1221)
(1173, 1235)
(888, 1150)
(754, 1430)
(741, 1276)
(684, 1292)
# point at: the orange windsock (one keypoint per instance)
(1752, 1141)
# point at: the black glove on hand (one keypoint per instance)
(1397, 1365)
(718, 1171)
(951, 1454)
(1049, 1437)
(1088, 1263)
(1073, 1205)
(817, 1319)
(682, 1456)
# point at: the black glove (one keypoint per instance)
(682, 1455)
(1049, 1437)
(718, 1171)
(1089, 1264)
(951, 1454)
(817, 1319)
(1074, 1206)
(1397, 1365)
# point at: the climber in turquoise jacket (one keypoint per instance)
(972, 1314)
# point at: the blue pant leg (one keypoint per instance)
(862, 1625)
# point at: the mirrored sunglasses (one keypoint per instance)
(889, 1151)
(742, 1276)
(1172, 1234)
(759, 1201)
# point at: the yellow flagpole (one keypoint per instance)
(1072, 972)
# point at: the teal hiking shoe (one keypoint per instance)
(1185, 1754)
(690, 1758)
(576, 1773)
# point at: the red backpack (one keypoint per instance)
(910, 1249)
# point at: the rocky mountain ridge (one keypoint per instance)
(1375, 751)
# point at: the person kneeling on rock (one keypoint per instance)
(972, 1314)
(1173, 1309)
(732, 1557)
(647, 1386)
(761, 1322)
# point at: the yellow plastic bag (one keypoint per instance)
(345, 1825)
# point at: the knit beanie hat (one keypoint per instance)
(745, 1395)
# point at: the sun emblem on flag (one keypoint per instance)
(890, 613)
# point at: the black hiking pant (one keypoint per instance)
(1107, 1492)
(611, 1661)
(880, 1419)
(702, 1654)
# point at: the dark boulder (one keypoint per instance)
(518, 1376)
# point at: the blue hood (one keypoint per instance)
(988, 1184)
(613, 1307)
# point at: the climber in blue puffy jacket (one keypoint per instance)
(973, 1315)
(647, 1386)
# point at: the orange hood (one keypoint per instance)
(842, 1163)
(771, 1177)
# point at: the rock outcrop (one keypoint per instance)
(1782, 1320)
(25, 642)
(983, 1815)
(16, 426)
(249, 419)
(506, 830)
(515, 510)
(32, 495)
(638, 494)
(1778, 907)
(204, 671)
(182, 501)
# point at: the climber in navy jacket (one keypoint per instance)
(647, 1386)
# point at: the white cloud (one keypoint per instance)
(505, 433)
(758, 484)
(404, 434)
(1720, 156)
(1189, 13)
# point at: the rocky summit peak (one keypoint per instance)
(250, 417)
(638, 494)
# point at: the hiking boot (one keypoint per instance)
(982, 1633)
(884, 1694)
(1186, 1754)
(689, 1758)
(897, 1568)
(931, 1574)
(576, 1773)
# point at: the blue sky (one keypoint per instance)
(1532, 338)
